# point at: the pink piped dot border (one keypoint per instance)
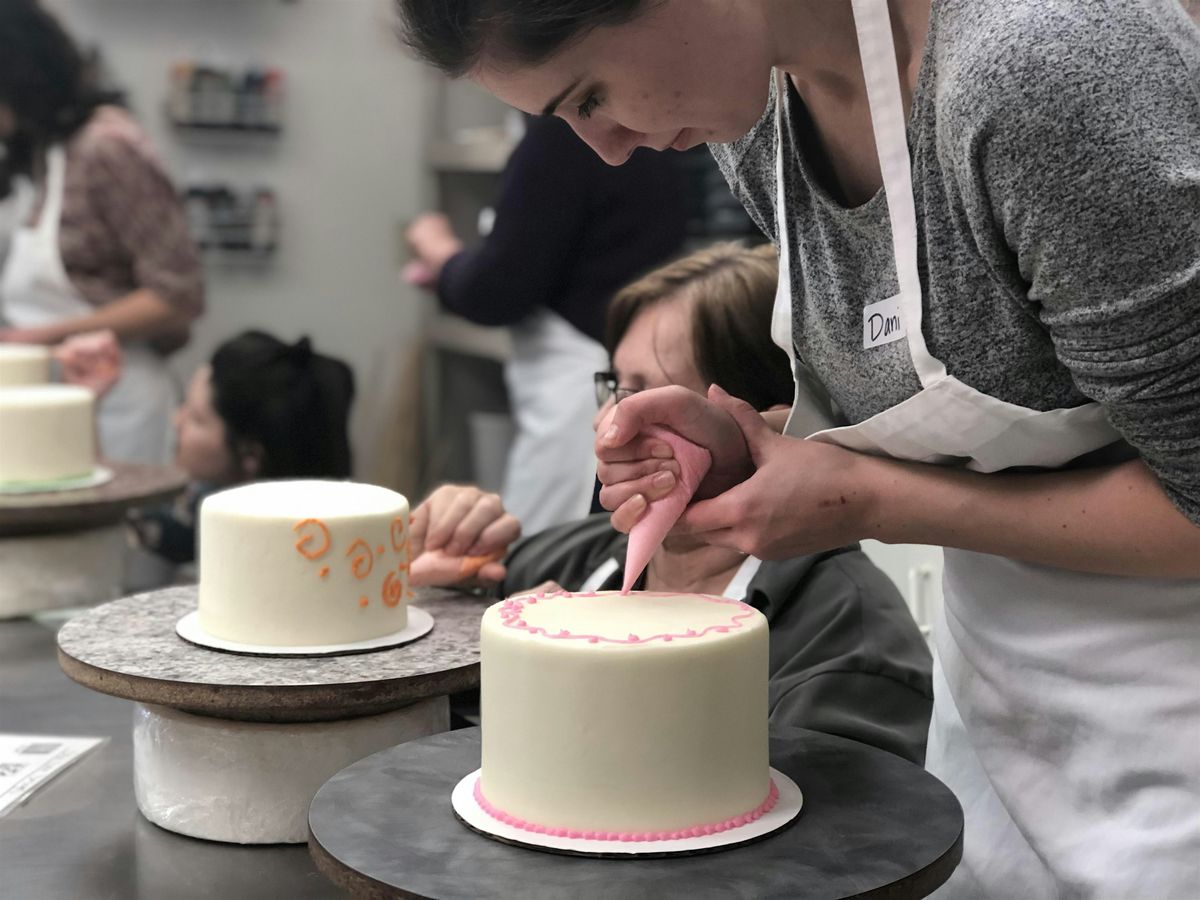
(696, 831)
(511, 611)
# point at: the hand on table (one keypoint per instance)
(804, 496)
(432, 240)
(91, 360)
(459, 533)
(634, 469)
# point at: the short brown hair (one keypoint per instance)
(731, 290)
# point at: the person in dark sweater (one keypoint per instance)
(846, 657)
(569, 232)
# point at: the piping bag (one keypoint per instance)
(648, 534)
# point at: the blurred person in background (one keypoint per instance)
(99, 239)
(569, 232)
(259, 409)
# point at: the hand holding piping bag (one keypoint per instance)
(649, 531)
(631, 457)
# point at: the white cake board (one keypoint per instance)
(99, 475)
(420, 623)
(252, 783)
(60, 570)
(467, 808)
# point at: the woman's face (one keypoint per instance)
(683, 73)
(201, 448)
(656, 351)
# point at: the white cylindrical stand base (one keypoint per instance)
(252, 783)
(53, 571)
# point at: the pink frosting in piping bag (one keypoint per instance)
(647, 535)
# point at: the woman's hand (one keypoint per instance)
(630, 463)
(91, 360)
(804, 496)
(464, 526)
(432, 240)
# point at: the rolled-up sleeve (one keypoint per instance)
(133, 194)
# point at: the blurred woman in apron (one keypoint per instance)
(101, 241)
(988, 216)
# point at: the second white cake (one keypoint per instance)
(303, 563)
(47, 434)
(22, 364)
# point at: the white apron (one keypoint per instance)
(1067, 705)
(133, 418)
(551, 468)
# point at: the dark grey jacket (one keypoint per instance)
(846, 657)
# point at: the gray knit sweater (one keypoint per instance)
(1056, 168)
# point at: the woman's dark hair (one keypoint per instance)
(46, 82)
(292, 402)
(731, 292)
(455, 34)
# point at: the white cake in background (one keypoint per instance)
(636, 717)
(22, 364)
(303, 563)
(47, 433)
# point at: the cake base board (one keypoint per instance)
(420, 623)
(786, 809)
(98, 476)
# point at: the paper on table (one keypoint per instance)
(27, 761)
(647, 535)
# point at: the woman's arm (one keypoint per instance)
(806, 496)
(140, 314)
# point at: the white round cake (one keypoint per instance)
(47, 434)
(22, 364)
(303, 563)
(624, 717)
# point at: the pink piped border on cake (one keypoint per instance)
(629, 836)
(512, 609)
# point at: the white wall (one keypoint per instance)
(348, 169)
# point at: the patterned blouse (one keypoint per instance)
(123, 226)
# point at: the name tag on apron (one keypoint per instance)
(882, 323)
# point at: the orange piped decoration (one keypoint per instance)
(393, 590)
(318, 533)
(379, 550)
(324, 571)
(363, 601)
(362, 564)
(399, 534)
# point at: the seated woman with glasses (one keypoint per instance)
(846, 657)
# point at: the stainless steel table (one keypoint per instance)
(81, 837)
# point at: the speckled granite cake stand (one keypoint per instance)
(873, 826)
(65, 548)
(232, 748)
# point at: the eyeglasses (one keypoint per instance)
(608, 389)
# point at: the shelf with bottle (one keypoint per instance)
(207, 98)
(230, 221)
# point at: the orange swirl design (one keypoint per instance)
(393, 590)
(399, 533)
(317, 532)
(362, 564)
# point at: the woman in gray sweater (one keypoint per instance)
(988, 217)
